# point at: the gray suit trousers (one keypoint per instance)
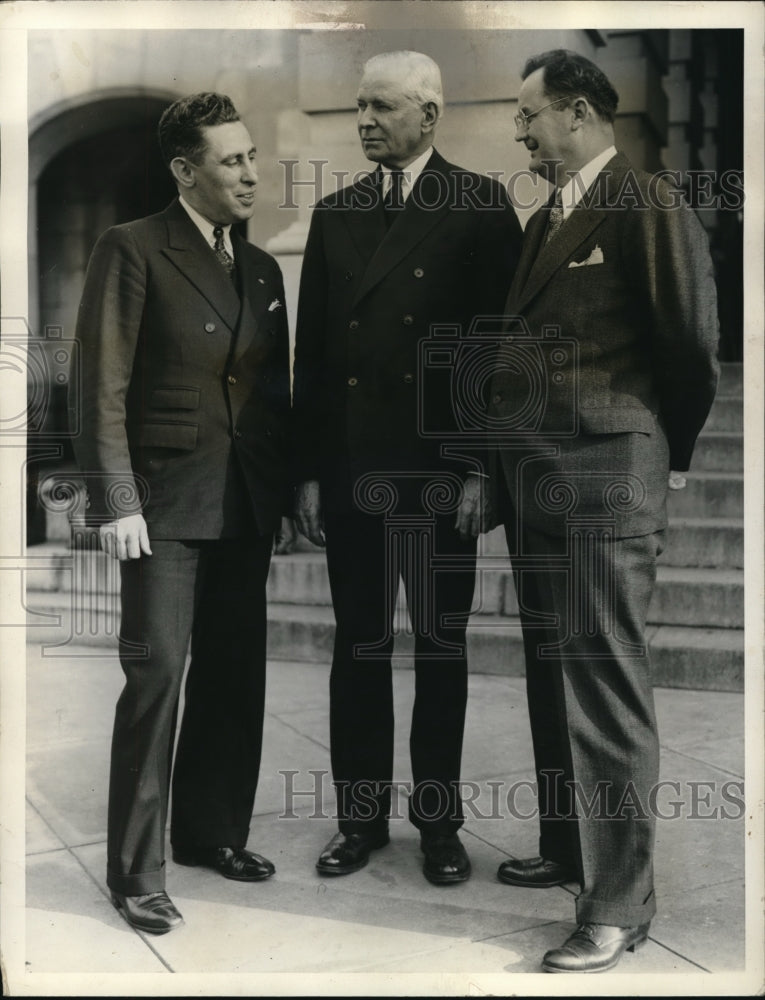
(584, 600)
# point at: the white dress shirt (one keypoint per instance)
(573, 192)
(411, 173)
(206, 227)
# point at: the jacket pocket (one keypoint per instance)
(170, 397)
(182, 437)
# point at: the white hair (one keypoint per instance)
(420, 75)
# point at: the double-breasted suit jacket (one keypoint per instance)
(368, 299)
(621, 309)
(185, 411)
(602, 392)
(186, 384)
(366, 404)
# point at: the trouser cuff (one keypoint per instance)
(606, 911)
(138, 884)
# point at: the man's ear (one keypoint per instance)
(429, 117)
(183, 172)
(580, 110)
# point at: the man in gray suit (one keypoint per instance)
(185, 411)
(603, 380)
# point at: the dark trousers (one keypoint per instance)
(366, 556)
(212, 592)
(591, 708)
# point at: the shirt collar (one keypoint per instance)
(573, 192)
(206, 227)
(410, 172)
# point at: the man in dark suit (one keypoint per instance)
(593, 402)
(416, 243)
(185, 409)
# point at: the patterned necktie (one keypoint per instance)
(555, 220)
(393, 202)
(225, 258)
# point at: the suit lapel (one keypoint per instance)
(255, 293)
(365, 221)
(575, 230)
(543, 261)
(433, 188)
(532, 241)
(189, 252)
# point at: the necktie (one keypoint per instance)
(225, 258)
(555, 220)
(394, 199)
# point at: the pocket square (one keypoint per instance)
(596, 257)
(276, 304)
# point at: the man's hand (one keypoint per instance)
(125, 538)
(308, 512)
(475, 513)
(677, 480)
(284, 537)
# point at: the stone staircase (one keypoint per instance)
(695, 622)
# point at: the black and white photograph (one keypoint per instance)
(381, 477)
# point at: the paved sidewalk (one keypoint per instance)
(300, 933)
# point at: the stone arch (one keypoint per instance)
(93, 162)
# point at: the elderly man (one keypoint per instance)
(615, 312)
(185, 410)
(417, 242)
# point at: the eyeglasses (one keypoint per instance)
(521, 120)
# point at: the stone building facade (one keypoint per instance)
(94, 98)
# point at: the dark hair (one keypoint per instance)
(180, 127)
(567, 74)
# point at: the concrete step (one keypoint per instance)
(698, 597)
(727, 414)
(687, 597)
(682, 596)
(719, 451)
(701, 659)
(717, 544)
(708, 495)
(713, 542)
(695, 658)
(731, 379)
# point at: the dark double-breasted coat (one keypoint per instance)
(373, 412)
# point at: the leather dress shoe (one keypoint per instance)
(446, 860)
(535, 873)
(230, 862)
(348, 852)
(152, 912)
(594, 948)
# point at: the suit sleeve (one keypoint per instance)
(310, 341)
(108, 326)
(668, 255)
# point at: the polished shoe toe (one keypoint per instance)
(231, 862)
(535, 873)
(446, 860)
(153, 912)
(594, 948)
(347, 853)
